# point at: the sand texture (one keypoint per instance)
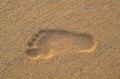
(59, 39)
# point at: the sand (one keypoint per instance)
(65, 52)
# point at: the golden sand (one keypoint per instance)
(59, 39)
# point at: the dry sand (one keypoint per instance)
(20, 20)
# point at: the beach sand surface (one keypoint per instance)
(20, 20)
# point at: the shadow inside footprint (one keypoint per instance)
(53, 42)
(33, 52)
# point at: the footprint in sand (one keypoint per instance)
(49, 43)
